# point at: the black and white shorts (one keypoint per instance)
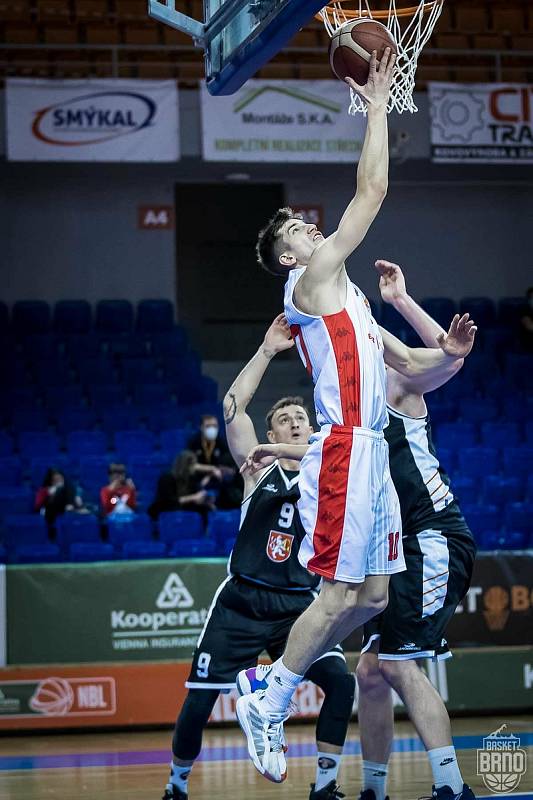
(244, 621)
(423, 599)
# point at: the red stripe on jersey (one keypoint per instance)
(342, 334)
(296, 332)
(332, 491)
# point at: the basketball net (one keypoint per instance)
(419, 21)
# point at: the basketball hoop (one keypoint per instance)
(410, 27)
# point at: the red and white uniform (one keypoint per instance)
(348, 504)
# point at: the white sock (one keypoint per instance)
(179, 776)
(281, 686)
(327, 769)
(375, 778)
(445, 768)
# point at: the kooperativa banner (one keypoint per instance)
(92, 120)
(481, 123)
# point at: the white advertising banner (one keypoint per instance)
(304, 121)
(481, 123)
(92, 120)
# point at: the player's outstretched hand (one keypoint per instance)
(278, 337)
(376, 90)
(459, 340)
(261, 456)
(391, 281)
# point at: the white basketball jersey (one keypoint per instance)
(343, 353)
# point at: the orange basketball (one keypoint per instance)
(351, 48)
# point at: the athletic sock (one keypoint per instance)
(445, 768)
(281, 686)
(179, 776)
(327, 769)
(375, 778)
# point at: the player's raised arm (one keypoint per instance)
(240, 431)
(372, 175)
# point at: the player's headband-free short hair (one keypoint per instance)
(269, 238)
(295, 400)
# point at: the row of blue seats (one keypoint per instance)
(33, 444)
(76, 316)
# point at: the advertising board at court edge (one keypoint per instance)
(284, 121)
(92, 120)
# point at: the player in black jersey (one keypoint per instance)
(266, 590)
(439, 551)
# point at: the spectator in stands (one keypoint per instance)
(120, 494)
(526, 323)
(56, 496)
(215, 461)
(183, 488)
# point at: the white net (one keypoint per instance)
(409, 27)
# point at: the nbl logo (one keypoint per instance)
(501, 762)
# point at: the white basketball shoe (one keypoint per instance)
(264, 737)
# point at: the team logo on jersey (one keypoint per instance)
(270, 487)
(279, 546)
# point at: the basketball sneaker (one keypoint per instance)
(254, 679)
(329, 792)
(173, 793)
(264, 737)
(446, 793)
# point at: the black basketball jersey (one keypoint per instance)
(270, 534)
(423, 487)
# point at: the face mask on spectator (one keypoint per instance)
(211, 432)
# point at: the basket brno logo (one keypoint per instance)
(501, 762)
(93, 118)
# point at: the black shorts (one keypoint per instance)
(244, 620)
(423, 599)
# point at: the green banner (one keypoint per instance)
(117, 611)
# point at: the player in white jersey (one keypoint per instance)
(348, 505)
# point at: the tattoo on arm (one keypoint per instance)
(230, 409)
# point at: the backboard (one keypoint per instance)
(238, 37)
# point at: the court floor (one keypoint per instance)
(108, 766)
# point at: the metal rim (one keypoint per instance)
(353, 13)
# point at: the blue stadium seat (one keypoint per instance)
(91, 551)
(72, 316)
(518, 370)
(39, 465)
(142, 550)
(107, 396)
(173, 440)
(510, 310)
(77, 528)
(120, 418)
(137, 442)
(169, 416)
(86, 443)
(518, 460)
(392, 321)
(35, 554)
(93, 474)
(465, 489)
(100, 370)
(6, 444)
(481, 518)
(129, 528)
(519, 517)
(481, 309)
(15, 500)
(22, 529)
(150, 394)
(195, 390)
(193, 548)
(442, 410)
(456, 435)
(82, 346)
(476, 410)
(41, 345)
(172, 343)
(139, 371)
(514, 540)
(529, 432)
(146, 472)
(74, 419)
(114, 316)
(30, 316)
(499, 434)
(479, 366)
(38, 443)
(175, 525)
(154, 316)
(502, 490)
(181, 369)
(52, 372)
(478, 461)
(224, 525)
(518, 407)
(447, 458)
(495, 340)
(128, 345)
(441, 309)
(10, 470)
(57, 397)
(25, 419)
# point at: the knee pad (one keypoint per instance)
(336, 710)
